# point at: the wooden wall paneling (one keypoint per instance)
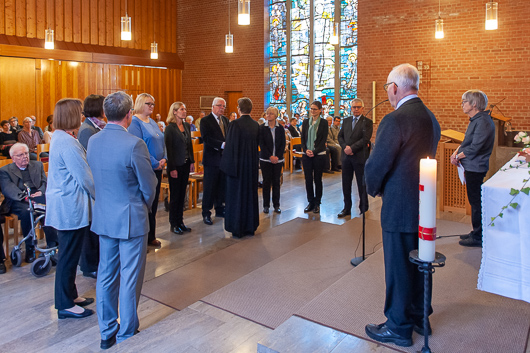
(137, 7)
(17, 87)
(59, 20)
(48, 88)
(76, 21)
(101, 22)
(94, 22)
(63, 79)
(39, 98)
(114, 78)
(68, 22)
(109, 23)
(9, 6)
(160, 24)
(40, 17)
(2, 17)
(84, 19)
(31, 19)
(147, 27)
(20, 18)
(117, 23)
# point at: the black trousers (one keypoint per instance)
(90, 253)
(152, 215)
(70, 244)
(177, 194)
(20, 208)
(2, 252)
(334, 153)
(404, 283)
(474, 183)
(271, 178)
(213, 194)
(349, 167)
(313, 169)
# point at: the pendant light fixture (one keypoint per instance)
(243, 12)
(229, 38)
(334, 39)
(126, 33)
(439, 26)
(49, 40)
(491, 16)
(154, 45)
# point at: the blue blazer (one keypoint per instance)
(125, 183)
(404, 136)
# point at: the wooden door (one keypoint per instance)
(231, 103)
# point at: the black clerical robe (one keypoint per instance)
(240, 164)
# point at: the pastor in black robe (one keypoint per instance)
(240, 164)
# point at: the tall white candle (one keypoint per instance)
(427, 228)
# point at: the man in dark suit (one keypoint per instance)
(354, 140)
(404, 136)
(213, 130)
(125, 187)
(35, 127)
(12, 179)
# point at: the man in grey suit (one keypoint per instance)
(354, 140)
(125, 188)
(405, 136)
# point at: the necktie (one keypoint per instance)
(222, 126)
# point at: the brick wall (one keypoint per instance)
(209, 71)
(469, 57)
(390, 33)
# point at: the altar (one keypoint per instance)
(505, 267)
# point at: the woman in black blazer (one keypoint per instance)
(314, 135)
(180, 162)
(272, 148)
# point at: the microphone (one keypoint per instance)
(375, 106)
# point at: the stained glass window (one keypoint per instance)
(277, 54)
(300, 26)
(297, 62)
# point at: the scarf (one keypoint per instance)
(312, 133)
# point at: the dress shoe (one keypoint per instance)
(65, 314)
(309, 208)
(265, 210)
(335, 170)
(109, 342)
(177, 230)
(381, 333)
(30, 256)
(155, 242)
(207, 220)
(85, 302)
(2, 267)
(316, 209)
(329, 172)
(219, 214)
(419, 328)
(184, 228)
(91, 274)
(237, 235)
(277, 210)
(471, 242)
(344, 213)
(465, 236)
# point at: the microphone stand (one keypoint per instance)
(356, 261)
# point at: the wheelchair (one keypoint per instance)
(43, 264)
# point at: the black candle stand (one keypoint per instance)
(427, 267)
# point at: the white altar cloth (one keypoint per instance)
(505, 267)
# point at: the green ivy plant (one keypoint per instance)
(513, 192)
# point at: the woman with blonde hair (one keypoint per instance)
(69, 196)
(142, 126)
(179, 164)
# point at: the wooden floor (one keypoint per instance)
(30, 324)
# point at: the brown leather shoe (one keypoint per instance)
(155, 242)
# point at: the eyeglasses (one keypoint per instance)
(314, 108)
(388, 84)
(20, 155)
(220, 105)
(150, 104)
(464, 101)
(357, 107)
